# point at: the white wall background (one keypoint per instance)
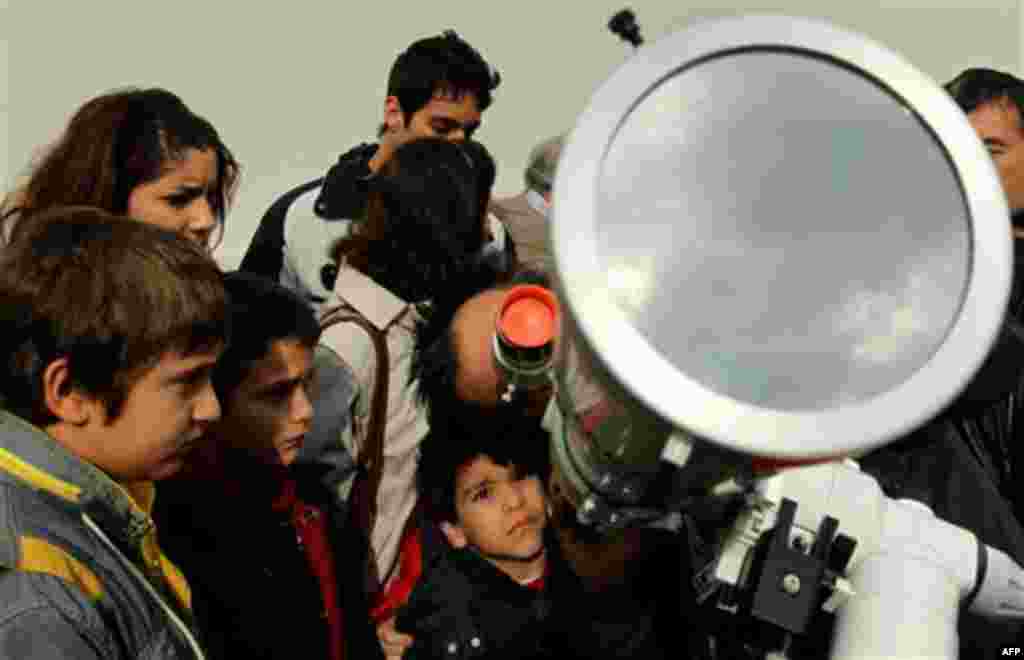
(291, 85)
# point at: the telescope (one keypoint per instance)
(779, 246)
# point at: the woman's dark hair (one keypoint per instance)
(487, 172)
(116, 142)
(422, 223)
(260, 312)
(483, 162)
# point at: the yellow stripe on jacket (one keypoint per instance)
(41, 556)
(30, 474)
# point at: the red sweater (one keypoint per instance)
(311, 534)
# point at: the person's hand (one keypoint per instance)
(393, 642)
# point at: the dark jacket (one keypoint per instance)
(81, 574)
(989, 414)
(464, 607)
(339, 197)
(995, 429)
(255, 596)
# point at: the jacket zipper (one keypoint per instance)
(149, 587)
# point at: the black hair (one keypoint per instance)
(422, 224)
(483, 163)
(507, 437)
(260, 312)
(434, 364)
(486, 173)
(443, 63)
(976, 87)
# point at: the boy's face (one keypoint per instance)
(498, 511)
(270, 411)
(164, 415)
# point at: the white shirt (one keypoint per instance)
(406, 419)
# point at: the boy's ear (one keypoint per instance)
(62, 399)
(456, 537)
(393, 117)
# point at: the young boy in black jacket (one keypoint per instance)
(275, 568)
(495, 585)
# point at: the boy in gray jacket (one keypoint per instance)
(110, 330)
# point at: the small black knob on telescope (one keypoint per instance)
(624, 25)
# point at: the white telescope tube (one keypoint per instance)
(909, 575)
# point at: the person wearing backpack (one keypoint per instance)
(421, 233)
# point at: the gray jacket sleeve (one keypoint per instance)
(43, 617)
(326, 444)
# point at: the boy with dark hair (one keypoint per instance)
(249, 520)
(527, 216)
(499, 587)
(456, 374)
(111, 329)
(438, 87)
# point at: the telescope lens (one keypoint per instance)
(785, 231)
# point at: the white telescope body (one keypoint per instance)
(775, 238)
(781, 237)
(908, 575)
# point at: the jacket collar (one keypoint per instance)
(228, 476)
(29, 456)
(343, 194)
(377, 304)
(557, 574)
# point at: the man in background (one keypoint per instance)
(527, 215)
(438, 87)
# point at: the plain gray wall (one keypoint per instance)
(292, 85)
